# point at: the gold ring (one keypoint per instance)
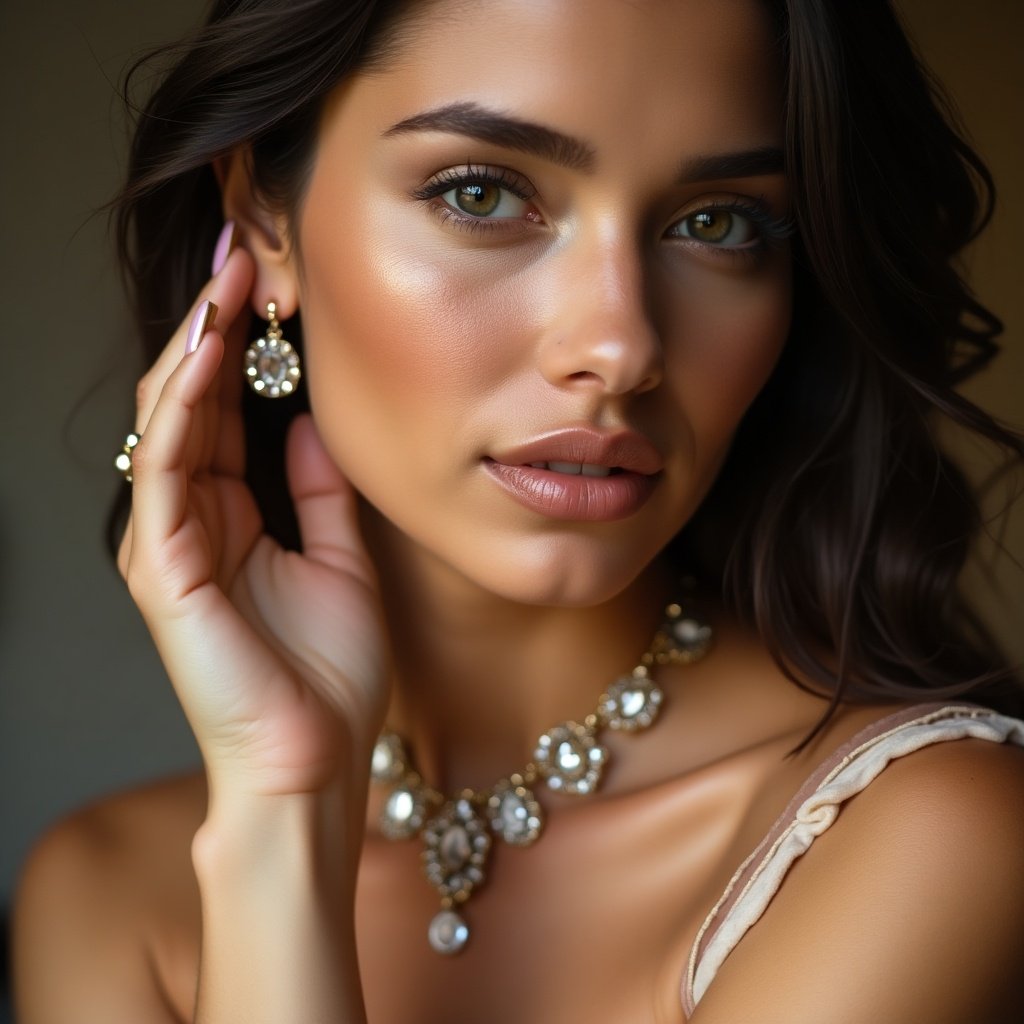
(123, 462)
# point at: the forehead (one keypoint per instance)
(621, 73)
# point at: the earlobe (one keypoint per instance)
(262, 231)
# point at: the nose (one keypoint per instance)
(600, 336)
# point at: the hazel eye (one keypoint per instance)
(476, 198)
(722, 228)
(485, 199)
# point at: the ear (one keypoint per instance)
(262, 232)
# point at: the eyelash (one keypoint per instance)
(771, 230)
(470, 174)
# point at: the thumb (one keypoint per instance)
(325, 502)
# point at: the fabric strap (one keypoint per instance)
(814, 808)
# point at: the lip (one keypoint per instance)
(624, 449)
(580, 498)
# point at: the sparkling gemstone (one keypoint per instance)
(631, 702)
(514, 813)
(690, 632)
(381, 763)
(402, 814)
(401, 805)
(454, 847)
(388, 763)
(448, 932)
(691, 638)
(272, 366)
(456, 844)
(569, 758)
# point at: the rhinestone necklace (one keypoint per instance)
(457, 831)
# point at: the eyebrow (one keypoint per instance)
(491, 126)
(751, 163)
(478, 122)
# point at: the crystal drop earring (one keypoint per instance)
(271, 363)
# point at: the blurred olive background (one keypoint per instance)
(84, 705)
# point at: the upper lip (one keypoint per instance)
(623, 449)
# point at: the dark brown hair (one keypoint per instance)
(837, 525)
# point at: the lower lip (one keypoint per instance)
(592, 499)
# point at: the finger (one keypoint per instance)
(160, 467)
(201, 322)
(325, 502)
(227, 453)
(229, 291)
(124, 550)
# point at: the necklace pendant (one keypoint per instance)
(448, 932)
(632, 702)
(403, 812)
(514, 813)
(390, 760)
(456, 847)
(570, 759)
(682, 640)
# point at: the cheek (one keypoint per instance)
(725, 338)
(388, 308)
(405, 344)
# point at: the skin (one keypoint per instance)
(578, 307)
(443, 342)
(429, 347)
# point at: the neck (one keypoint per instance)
(477, 678)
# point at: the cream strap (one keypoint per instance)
(814, 808)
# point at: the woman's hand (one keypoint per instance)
(277, 656)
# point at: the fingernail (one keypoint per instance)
(200, 323)
(225, 243)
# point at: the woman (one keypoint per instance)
(592, 296)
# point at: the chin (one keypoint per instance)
(560, 574)
(559, 568)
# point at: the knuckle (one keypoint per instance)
(140, 459)
(134, 585)
(136, 580)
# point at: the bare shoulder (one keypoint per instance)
(968, 789)
(908, 909)
(96, 895)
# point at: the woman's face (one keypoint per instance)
(549, 235)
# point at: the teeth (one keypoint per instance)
(573, 468)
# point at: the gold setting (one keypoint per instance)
(123, 461)
(271, 363)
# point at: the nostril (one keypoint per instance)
(584, 375)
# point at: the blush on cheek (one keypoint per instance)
(429, 325)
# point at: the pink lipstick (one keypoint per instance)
(579, 474)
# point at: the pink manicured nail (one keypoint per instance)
(225, 243)
(200, 323)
